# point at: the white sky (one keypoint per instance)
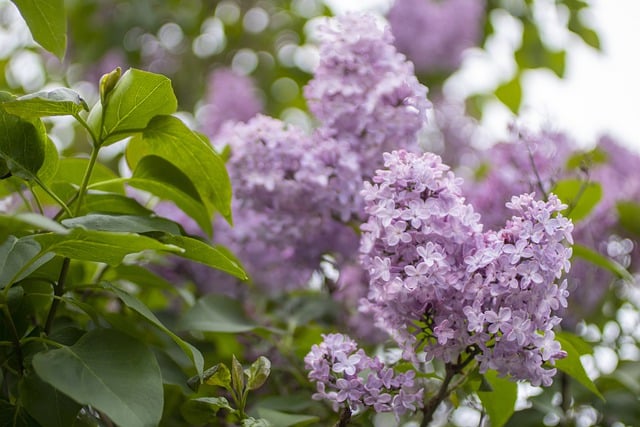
(600, 92)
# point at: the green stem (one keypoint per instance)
(85, 180)
(107, 182)
(37, 200)
(15, 337)
(94, 138)
(54, 196)
(58, 291)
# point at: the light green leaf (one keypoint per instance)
(203, 253)
(19, 258)
(122, 223)
(510, 94)
(136, 305)
(499, 403)
(601, 261)
(203, 410)
(22, 142)
(581, 346)
(110, 371)
(258, 373)
(283, 419)
(216, 313)
(49, 167)
(57, 102)
(137, 97)
(572, 366)
(237, 376)
(10, 224)
(98, 246)
(161, 178)
(218, 375)
(48, 24)
(168, 137)
(255, 422)
(580, 196)
(57, 410)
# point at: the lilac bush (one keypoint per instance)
(440, 284)
(434, 33)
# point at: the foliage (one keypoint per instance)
(119, 305)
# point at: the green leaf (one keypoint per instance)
(19, 258)
(15, 416)
(601, 261)
(11, 224)
(258, 373)
(168, 137)
(110, 203)
(122, 223)
(137, 97)
(203, 410)
(580, 196)
(56, 102)
(57, 410)
(203, 253)
(51, 162)
(572, 366)
(581, 346)
(216, 313)
(110, 371)
(136, 305)
(161, 178)
(629, 216)
(510, 94)
(98, 246)
(47, 22)
(499, 403)
(255, 422)
(218, 375)
(283, 419)
(237, 376)
(22, 142)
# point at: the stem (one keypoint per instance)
(451, 370)
(15, 337)
(545, 196)
(85, 125)
(58, 291)
(107, 182)
(87, 177)
(566, 398)
(53, 195)
(345, 417)
(37, 200)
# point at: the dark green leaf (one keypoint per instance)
(137, 97)
(203, 410)
(499, 403)
(56, 102)
(98, 246)
(47, 22)
(510, 94)
(57, 410)
(203, 253)
(123, 223)
(580, 196)
(283, 419)
(19, 258)
(98, 202)
(258, 373)
(27, 221)
(168, 137)
(15, 416)
(22, 142)
(572, 366)
(629, 216)
(216, 313)
(136, 305)
(161, 178)
(110, 371)
(601, 261)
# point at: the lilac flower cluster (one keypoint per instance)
(434, 33)
(345, 375)
(442, 285)
(537, 161)
(290, 188)
(365, 93)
